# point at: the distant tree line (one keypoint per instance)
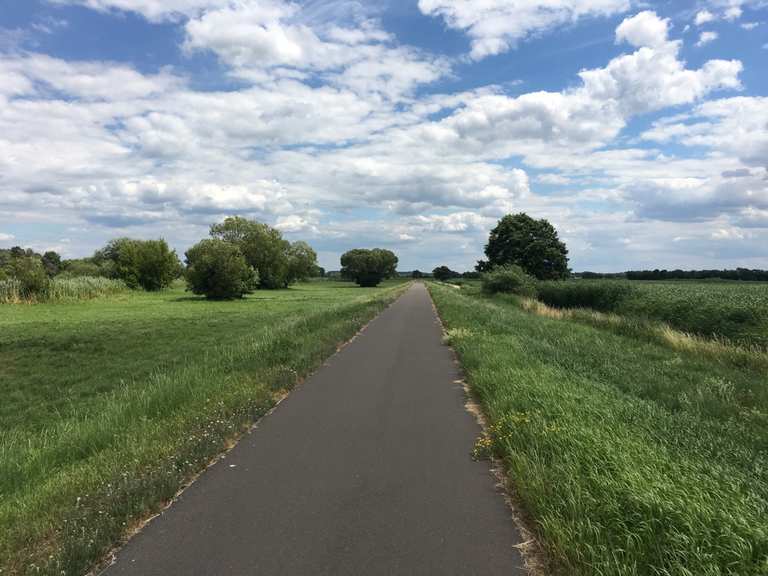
(745, 274)
(241, 256)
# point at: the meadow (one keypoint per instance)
(111, 405)
(734, 311)
(628, 455)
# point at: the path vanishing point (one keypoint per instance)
(363, 470)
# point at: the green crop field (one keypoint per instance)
(109, 406)
(629, 456)
(736, 311)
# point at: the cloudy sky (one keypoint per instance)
(640, 129)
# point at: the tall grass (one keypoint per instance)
(61, 289)
(630, 456)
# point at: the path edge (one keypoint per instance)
(535, 560)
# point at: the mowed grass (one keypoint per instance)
(735, 311)
(109, 406)
(629, 456)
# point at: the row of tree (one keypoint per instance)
(240, 256)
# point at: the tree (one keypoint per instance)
(531, 244)
(52, 263)
(302, 262)
(217, 269)
(368, 267)
(149, 264)
(416, 274)
(262, 246)
(443, 273)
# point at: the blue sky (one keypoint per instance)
(640, 129)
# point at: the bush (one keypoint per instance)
(30, 275)
(604, 296)
(510, 279)
(217, 269)
(147, 264)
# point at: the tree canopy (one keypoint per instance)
(443, 273)
(368, 267)
(278, 262)
(149, 264)
(531, 244)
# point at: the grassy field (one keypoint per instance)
(737, 311)
(630, 457)
(109, 406)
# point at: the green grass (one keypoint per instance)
(110, 406)
(736, 311)
(630, 457)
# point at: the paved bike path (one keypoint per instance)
(365, 469)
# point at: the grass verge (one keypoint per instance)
(190, 377)
(632, 457)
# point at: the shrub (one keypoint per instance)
(509, 279)
(368, 267)
(218, 270)
(30, 274)
(147, 264)
(605, 296)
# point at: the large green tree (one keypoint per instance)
(529, 243)
(278, 262)
(368, 267)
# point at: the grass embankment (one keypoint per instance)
(631, 457)
(736, 311)
(110, 406)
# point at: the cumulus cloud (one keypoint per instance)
(496, 26)
(707, 37)
(703, 16)
(327, 136)
(254, 39)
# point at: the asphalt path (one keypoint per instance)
(365, 469)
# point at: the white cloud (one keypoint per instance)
(707, 37)
(326, 138)
(728, 234)
(645, 29)
(703, 16)
(254, 39)
(6, 237)
(496, 26)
